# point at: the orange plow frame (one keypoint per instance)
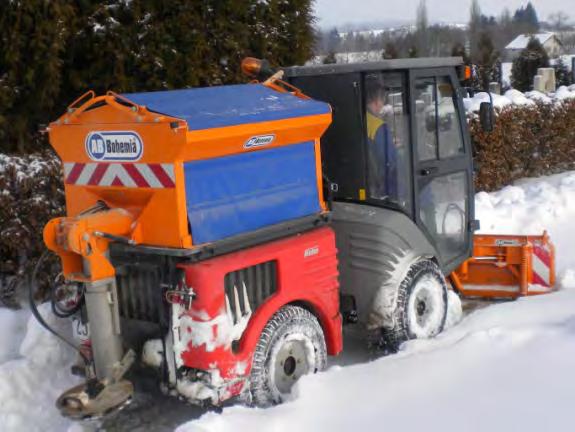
(507, 266)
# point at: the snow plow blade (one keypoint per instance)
(507, 266)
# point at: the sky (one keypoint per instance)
(332, 13)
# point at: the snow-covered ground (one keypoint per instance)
(507, 367)
(504, 367)
(34, 370)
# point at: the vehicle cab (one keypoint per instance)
(397, 163)
(422, 166)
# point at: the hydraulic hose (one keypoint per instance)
(32, 288)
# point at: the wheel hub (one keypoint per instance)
(420, 308)
(426, 307)
(424, 304)
(290, 364)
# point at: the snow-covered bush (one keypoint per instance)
(517, 98)
(529, 140)
(31, 193)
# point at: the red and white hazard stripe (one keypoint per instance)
(135, 175)
(541, 263)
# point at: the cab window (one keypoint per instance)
(448, 124)
(438, 125)
(388, 152)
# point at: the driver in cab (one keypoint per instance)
(382, 154)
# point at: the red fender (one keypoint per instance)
(306, 274)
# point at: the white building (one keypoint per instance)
(549, 40)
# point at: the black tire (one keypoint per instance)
(284, 354)
(421, 308)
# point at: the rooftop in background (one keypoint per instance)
(521, 41)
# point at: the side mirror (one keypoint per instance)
(486, 117)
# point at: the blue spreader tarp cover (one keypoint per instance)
(213, 107)
(233, 195)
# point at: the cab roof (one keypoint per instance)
(395, 64)
(230, 105)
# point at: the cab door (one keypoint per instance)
(442, 164)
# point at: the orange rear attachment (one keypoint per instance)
(507, 266)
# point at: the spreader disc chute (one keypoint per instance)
(77, 403)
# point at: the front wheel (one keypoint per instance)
(421, 307)
(291, 345)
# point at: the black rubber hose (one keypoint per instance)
(32, 287)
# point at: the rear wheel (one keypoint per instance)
(291, 345)
(421, 307)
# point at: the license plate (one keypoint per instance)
(80, 331)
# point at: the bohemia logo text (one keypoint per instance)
(114, 146)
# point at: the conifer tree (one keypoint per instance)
(292, 27)
(33, 35)
(562, 74)
(329, 58)
(496, 75)
(526, 19)
(526, 64)
(100, 52)
(53, 51)
(390, 51)
(333, 40)
(458, 50)
(487, 56)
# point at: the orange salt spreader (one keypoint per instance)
(185, 175)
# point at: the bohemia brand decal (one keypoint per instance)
(259, 141)
(114, 146)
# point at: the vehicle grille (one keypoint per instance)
(140, 291)
(260, 283)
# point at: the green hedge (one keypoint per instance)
(528, 141)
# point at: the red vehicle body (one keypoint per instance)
(305, 271)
